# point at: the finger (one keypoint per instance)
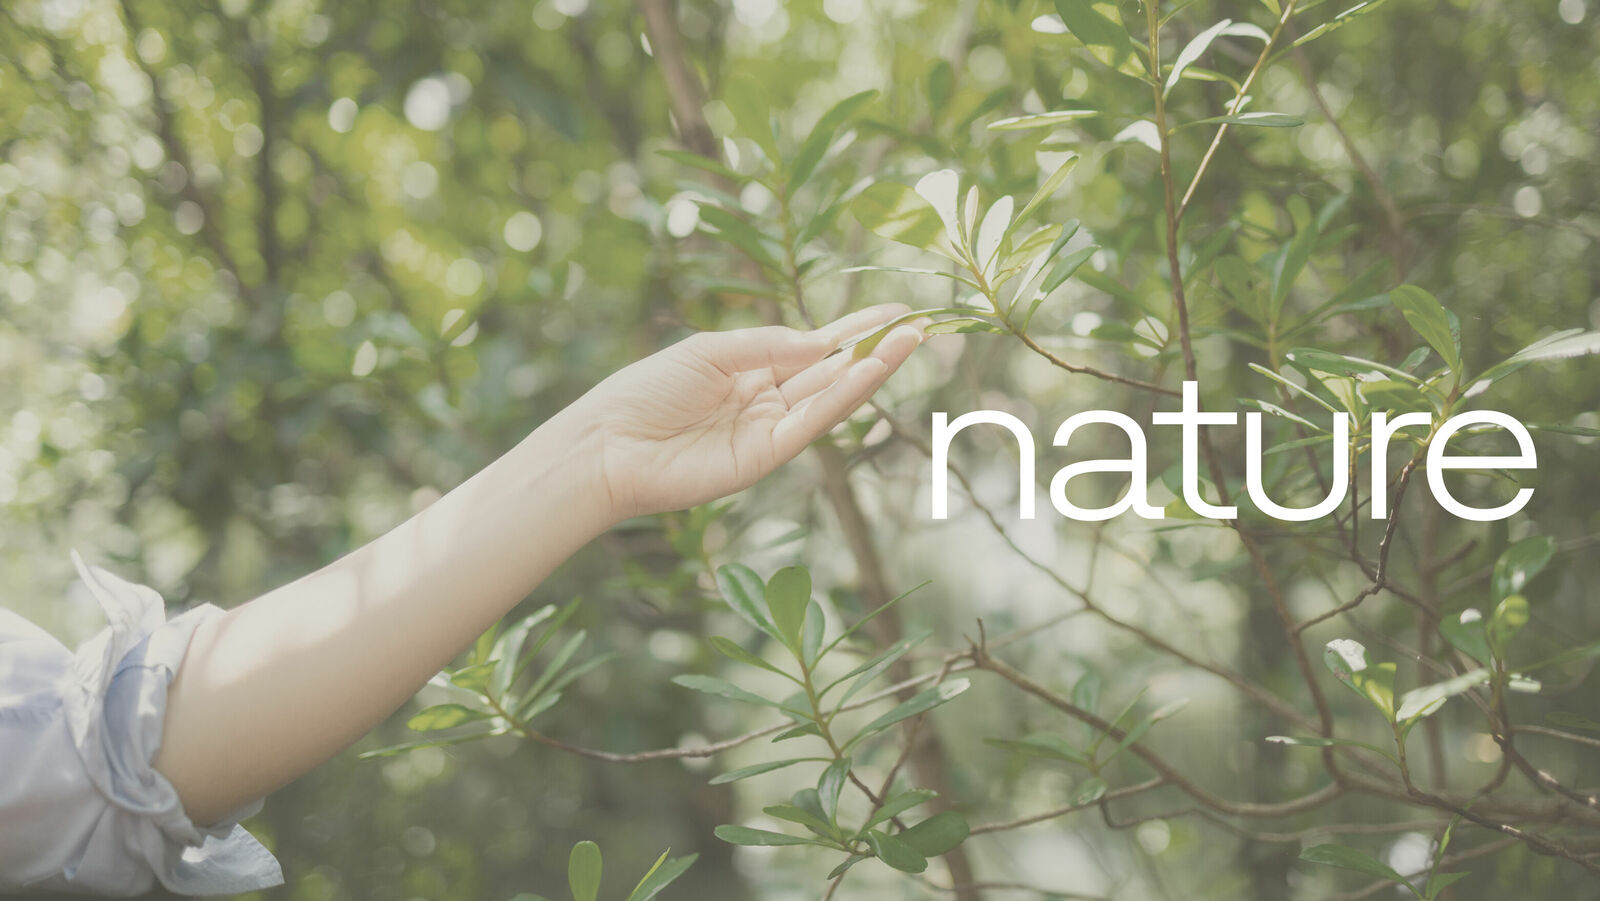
(821, 374)
(816, 414)
(813, 378)
(832, 335)
(860, 321)
(774, 346)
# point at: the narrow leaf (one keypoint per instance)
(1518, 564)
(1428, 318)
(583, 871)
(744, 835)
(896, 853)
(938, 834)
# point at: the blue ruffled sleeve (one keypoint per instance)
(81, 807)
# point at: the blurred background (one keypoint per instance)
(274, 274)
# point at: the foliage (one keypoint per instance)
(273, 275)
(585, 867)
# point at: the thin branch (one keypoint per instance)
(1090, 370)
(683, 87)
(1244, 88)
(983, 661)
(1557, 733)
(1058, 812)
(1450, 861)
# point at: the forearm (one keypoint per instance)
(280, 684)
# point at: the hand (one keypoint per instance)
(712, 414)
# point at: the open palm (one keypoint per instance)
(715, 412)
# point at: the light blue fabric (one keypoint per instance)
(81, 808)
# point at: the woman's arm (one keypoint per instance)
(280, 684)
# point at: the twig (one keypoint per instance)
(1244, 88)
(1090, 370)
(1032, 819)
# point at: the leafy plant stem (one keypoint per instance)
(1233, 107)
(1174, 213)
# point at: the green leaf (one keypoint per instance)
(809, 801)
(1066, 267)
(1043, 744)
(1275, 410)
(583, 871)
(877, 665)
(1315, 360)
(1465, 633)
(1086, 695)
(1319, 742)
(821, 138)
(1046, 190)
(1347, 660)
(900, 803)
(1572, 721)
(722, 688)
(802, 817)
(1562, 428)
(1519, 564)
(1089, 791)
(487, 731)
(1388, 394)
(1420, 702)
(1438, 882)
(1259, 120)
(707, 164)
(1339, 21)
(1558, 346)
(1351, 859)
(1042, 120)
(830, 785)
(1430, 321)
(482, 648)
(953, 276)
(920, 703)
(475, 677)
(1143, 726)
(1288, 266)
(660, 876)
(750, 240)
(844, 868)
(744, 835)
(742, 589)
(734, 651)
(1569, 656)
(941, 84)
(816, 625)
(938, 834)
(963, 325)
(508, 648)
(1192, 52)
(895, 211)
(1099, 26)
(757, 769)
(560, 660)
(1296, 388)
(788, 593)
(445, 716)
(1506, 621)
(896, 853)
(799, 731)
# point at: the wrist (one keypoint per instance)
(564, 458)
